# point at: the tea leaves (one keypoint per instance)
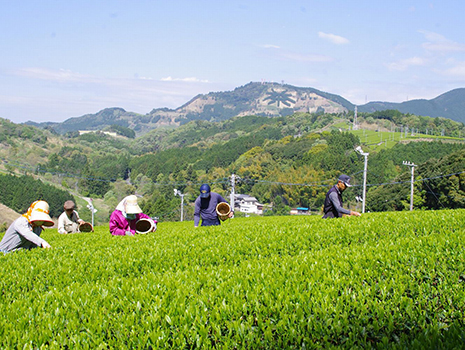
(384, 280)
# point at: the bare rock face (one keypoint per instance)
(269, 99)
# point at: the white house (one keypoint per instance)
(247, 204)
(300, 211)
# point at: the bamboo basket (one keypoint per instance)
(223, 209)
(144, 226)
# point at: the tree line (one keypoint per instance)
(19, 192)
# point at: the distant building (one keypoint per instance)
(300, 211)
(247, 204)
(82, 132)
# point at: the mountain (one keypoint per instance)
(99, 121)
(450, 105)
(261, 99)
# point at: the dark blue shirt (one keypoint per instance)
(333, 204)
(206, 208)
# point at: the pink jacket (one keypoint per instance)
(119, 224)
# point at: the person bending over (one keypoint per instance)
(24, 232)
(205, 207)
(123, 220)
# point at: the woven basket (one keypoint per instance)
(86, 227)
(144, 226)
(223, 209)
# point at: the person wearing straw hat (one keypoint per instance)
(69, 220)
(124, 218)
(332, 207)
(24, 232)
(205, 207)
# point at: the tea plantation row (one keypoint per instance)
(385, 280)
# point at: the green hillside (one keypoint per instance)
(449, 105)
(285, 162)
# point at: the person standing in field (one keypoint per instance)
(333, 202)
(24, 232)
(69, 220)
(123, 220)
(205, 207)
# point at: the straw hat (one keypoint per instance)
(131, 205)
(39, 211)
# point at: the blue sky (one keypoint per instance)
(66, 58)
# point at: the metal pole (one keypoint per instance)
(364, 181)
(233, 185)
(365, 166)
(412, 179)
(178, 193)
(92, 210)
(182, 206)
(411, 187)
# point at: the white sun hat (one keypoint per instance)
(131, 205)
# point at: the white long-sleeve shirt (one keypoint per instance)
(68, 224)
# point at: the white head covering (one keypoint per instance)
(128, 205)
(39, 211)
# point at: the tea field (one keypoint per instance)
(383, 280)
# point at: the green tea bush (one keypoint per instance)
(384, 280)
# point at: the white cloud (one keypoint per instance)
(60, 75)
(64, 75)
(60, 94)
(335, 39)
(270, 46)
(298, 57)
(457, 71)
(438, 43)
(403, 65)
(278, 52)
(187, 80)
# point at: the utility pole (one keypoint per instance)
(365, 155)
(90, 206)
(178, 193)
(233, 188)
(355, 126)
(412, 168)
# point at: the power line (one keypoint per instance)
(434, 194)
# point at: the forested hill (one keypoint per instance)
(261, 99)
(449, 105)
(284, 162)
